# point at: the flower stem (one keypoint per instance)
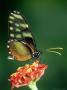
(33, 86)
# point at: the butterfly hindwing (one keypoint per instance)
(21, 44)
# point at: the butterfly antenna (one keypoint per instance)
(53, 50)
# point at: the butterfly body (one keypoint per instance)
(21, 44)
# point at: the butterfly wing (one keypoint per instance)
(21, 44)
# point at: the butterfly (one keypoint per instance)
(21, 44)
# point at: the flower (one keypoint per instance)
(28, 74)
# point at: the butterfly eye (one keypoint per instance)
(36, 54)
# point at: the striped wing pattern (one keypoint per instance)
(21, 44)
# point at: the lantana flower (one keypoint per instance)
(27, 75)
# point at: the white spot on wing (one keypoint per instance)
(9, 57)
(11, 17)
(24, 25)
(9, 52)
(10, 21)
(9, 41)
(17, 16)
(11, 28)
(18, 36)
(14, 11)
(27, 34)
(18, 30)
(16, 24)
(7, 46)
(11, 35)
(23, 42)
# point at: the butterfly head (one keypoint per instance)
(36, 54)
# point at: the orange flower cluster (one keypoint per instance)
(26, 74)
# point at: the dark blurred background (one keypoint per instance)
(48, 20)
